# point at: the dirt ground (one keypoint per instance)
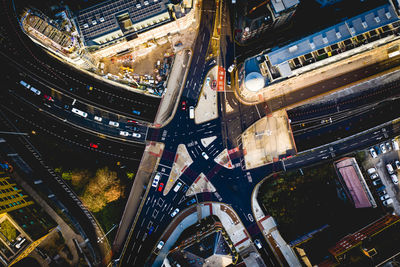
(141, 65)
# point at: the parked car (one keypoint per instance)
(389, 168)
(382, 193)
(373, 152)
(377, 182)
(387, 202)
(394, 178)
(137, 135)
(374, 176)
(384, 197)
(395, 144)
(258, 244)
(388, 146)
(371, 171)
(397, 163)
(175, 212)
(383, 148)
(378, 150)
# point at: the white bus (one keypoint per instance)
(79, 112)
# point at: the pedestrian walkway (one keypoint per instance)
(207, 108)
(281, 249)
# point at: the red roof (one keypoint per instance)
(353, 183)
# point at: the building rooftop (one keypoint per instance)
(281, 5)
(365, 22)
(103, 18)
(353, 180)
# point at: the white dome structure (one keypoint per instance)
(254, 81)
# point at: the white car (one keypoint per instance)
(397, 163)
(208, 81)
(123, 133)
(383, 148)
(137, 135)
(374, 176)
(373, 152)
(389, 168)
(371, 171)
(177, 186)
(258, 244)
(394, 179)
(97, 118)
(231, 68)
(156, 179)
(204, 155)
(175, 212)
(395, 144)
(113, 123)
(384, 197)
(387, 202)
(160, 245)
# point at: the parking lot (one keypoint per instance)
(383, 182)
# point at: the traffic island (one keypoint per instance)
(267, 140)
(181, 162)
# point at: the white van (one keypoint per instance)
(395, 144)
(191, 112)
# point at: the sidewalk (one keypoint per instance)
(169, 101)
(207, 108)
(150, 159)
(278, 245)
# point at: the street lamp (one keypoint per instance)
(100, 239)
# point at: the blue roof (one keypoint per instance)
(365, 22)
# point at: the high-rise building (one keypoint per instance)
(262, 16)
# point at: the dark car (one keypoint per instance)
(190, 202)
(151, 229)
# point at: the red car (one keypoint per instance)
(49, 98)
(93, 145)
(160, 187)
(183, 105)
(132, 121)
